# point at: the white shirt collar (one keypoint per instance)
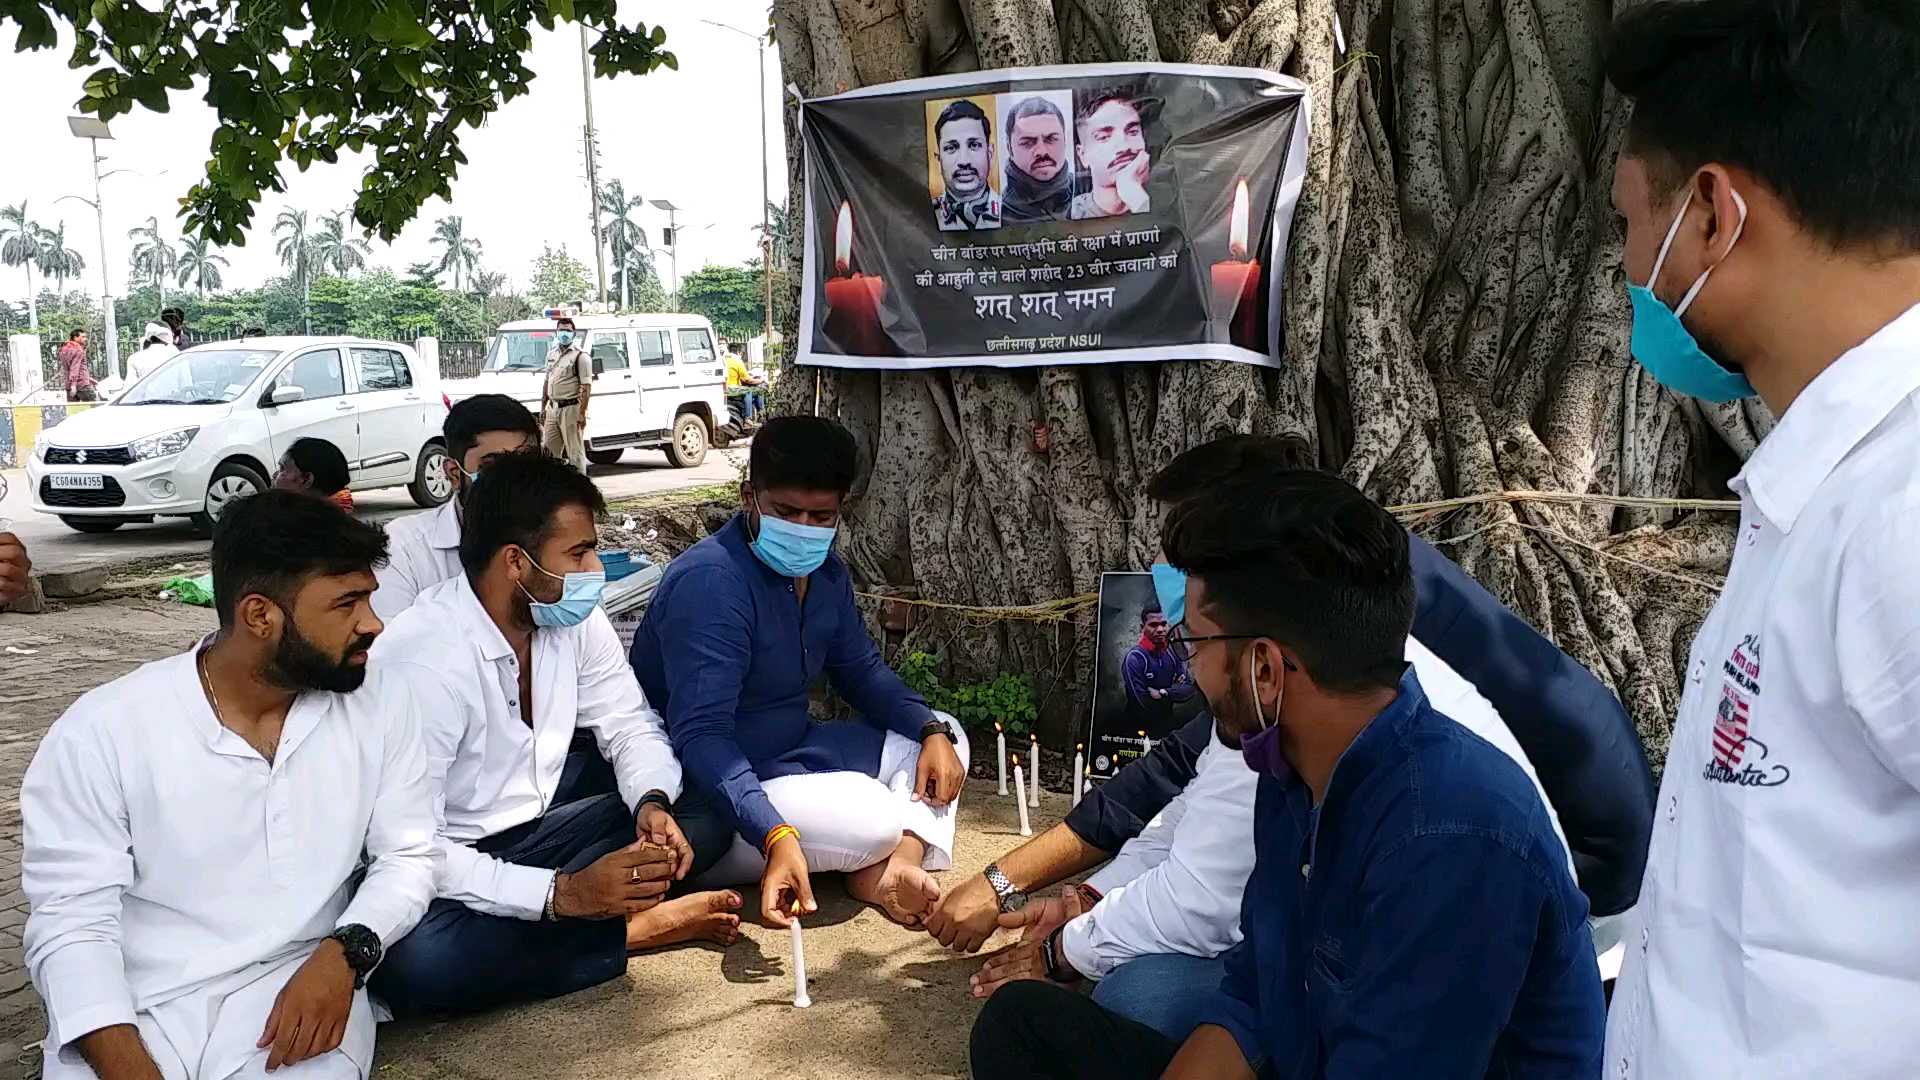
(443, 532)
(479, 625)
(1837, 410)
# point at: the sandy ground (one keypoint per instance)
(887, 1003)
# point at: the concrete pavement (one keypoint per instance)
(56, 548)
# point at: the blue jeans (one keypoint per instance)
(1167, 991)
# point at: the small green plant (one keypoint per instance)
(1006, 700)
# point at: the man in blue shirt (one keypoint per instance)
(1155, 675)
(739, 628)
(1410, 911)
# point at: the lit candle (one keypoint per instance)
(800, 998)
(1000, 738)
(1146, 744)
(853, 300)
(1033, 752)
(1019, 785)
(1236, 282)
(1079, 772)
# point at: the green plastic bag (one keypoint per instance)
(197, 591)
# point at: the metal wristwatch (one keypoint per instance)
(362, 948)
(1011, 899)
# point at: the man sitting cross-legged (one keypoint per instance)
(195, 831)
(1410, 911)
(740, 626)
(549, 879)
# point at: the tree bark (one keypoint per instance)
(1456, 323)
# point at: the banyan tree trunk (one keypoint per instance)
(1456, 323)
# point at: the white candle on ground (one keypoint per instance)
(1079, 773)
(1033, 751)
(1019, 785)
(800, 998)
(1000, 737)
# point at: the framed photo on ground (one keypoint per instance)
(1142, 691)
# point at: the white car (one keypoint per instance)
(210, 425)
(658, 381)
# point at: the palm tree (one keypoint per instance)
(336, 249)
(153, 256)
(631, 253)
(200, 264)
(486, 283)
(780, 224)
(295, 249)
(462, 252)
(20, 245)
(57, 259)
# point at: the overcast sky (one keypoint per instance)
(687, 136)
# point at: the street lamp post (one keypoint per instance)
(593, 165)
(673, 244)
(93, 130)
(766, 222)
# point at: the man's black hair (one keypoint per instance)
(961, 110)
(812, 453)
(321, 460)
(76, 332)
(1149, 609)
(1090, 102)
(254, 331)
(566, 319)
(1033, 106)
(1818, 99)
(1227, 457)
(274, 542)
(514, 502)
(1304, 558)
(477, 415)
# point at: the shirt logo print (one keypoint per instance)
(1739, 758)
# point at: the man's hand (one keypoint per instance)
(1132, 184)
(1210, 1053)
(15, 568)
(656, 826)
(618, 884)
(1025, 960)
(116, 1053)
(310, 1016)
(965, 917)
(937, 779)
(1156, 694)
(583, 420)
(785, 882)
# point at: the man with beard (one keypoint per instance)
(194, 830)
(425, 547)
(549, 880)
(1111, 141)
(1421, 864)
(963, 137)
(1039, 183)
(1155, 675)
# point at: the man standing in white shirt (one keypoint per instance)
(423, 549)
(194, 830)
(548, 880)
(1776, 147)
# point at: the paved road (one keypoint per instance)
(54, 547)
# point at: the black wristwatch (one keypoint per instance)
(363, 950)
(1051, 953)
(657, 797)
(1010, 898)
(937, 726)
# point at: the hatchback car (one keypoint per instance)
(210, 425)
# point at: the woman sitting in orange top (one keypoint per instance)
(316, 466)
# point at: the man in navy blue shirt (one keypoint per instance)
(1155, 675)
(739, 628)
(1410, 911)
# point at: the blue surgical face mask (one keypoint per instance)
(1664, 345)
(579, 595)
(1262, 749)
(791, 550)
(564, 338)
(1170, 588)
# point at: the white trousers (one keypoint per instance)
(210, 1034)
(849, 820)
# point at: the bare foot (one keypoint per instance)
(701, 916)
(899, 888)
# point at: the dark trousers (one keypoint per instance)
(1038, 1029)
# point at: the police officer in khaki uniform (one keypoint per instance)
(563, 400)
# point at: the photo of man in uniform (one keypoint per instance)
(1110, 139)
(963, 138)
(1039, 159)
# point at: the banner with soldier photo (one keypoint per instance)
(1074, 214)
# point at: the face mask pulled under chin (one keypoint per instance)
(1262, 749)
(1661, 341)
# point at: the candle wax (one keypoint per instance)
(800, 998)
(1019, 784)
(1001, 739)
(1236, 297)
(853, 318)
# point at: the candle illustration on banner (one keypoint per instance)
(1236, 282)
(1033, 753)
(1019, 786)
(853, 300)
(1079, 772)
(1000, 743)
(800, 998)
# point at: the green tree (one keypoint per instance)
(200, 264)
(20, 245)
(295, 248)
(153, 257)
(459, 252)
(781, 226)
(57, 260)
(729, 296)
(558, 278)
(337, 250)
(632, 257)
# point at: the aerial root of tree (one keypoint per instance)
(1455, 323)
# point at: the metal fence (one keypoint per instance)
(461, 359)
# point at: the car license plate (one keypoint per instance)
(76, 482)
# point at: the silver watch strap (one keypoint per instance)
(1003, 889)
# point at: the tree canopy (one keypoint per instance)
(303, 80)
